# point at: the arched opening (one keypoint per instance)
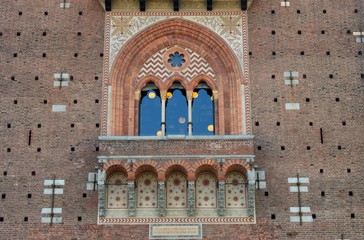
(147, 190)
(117, 191)
(176, 110)
(206, 190)
(150, 111)
(235, 192)
(203, 110)
(176, 190)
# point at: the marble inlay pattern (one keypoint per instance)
(235, 191)
(117, 191)
(176, 191)
(206, 191)
(147, 191)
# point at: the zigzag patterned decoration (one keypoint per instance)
(209, 220)
(154, 66)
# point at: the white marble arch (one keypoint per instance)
(206, 191)
(117, 191)
(176, 190)
(235, 190)
(147, 191)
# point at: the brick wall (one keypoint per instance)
(64, 144)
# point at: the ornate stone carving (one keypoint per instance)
(251, 193)
(131, 200)
(191, 211)
(101, 192)
(161, 199)
(221, 199)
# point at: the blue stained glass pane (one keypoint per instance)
(150, 113)
(177, 113)
(203, 113)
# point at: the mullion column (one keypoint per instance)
(161, 199)
(251, 193)
(101, 192)
(221, 199)
(131, 200)
(163, 117)
(189, 101)
(191, 199)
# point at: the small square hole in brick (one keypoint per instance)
(44, 55)
(97, 125)
(45, 13)
(5, 173)
(75, 55)
(25, 219)
(322, 194)
(275, 100)
(29, 195)
(84, 195)
(33, 173)
(314, 216)
(96, 100)
(80, 13)
(351, 193)
(256, 123)
(273, 53)
(45, 101)
(266, 194)
(311, 123)
(75, 101)
(1, 34)
(72, 149)
(343, 123)
(307, 100)
(15, 101)
(273, 12)
(18, 33)
(39, 125)
(322, 31)
(79, 33)
(9, 125)
(356, 10)
(79, 218)
(339, 147)
(12, 78)
(328, 53)
(348, 170)
(321, 170)
(273, 216)
(308, 148)
(273, 32)
(299, 32)
(273, 76)
(324, 11)
(39, 149)
(348, 32)
(278, 124)
(97, 149)
(8, 149)
(283, 148)
(44, 34)
(302, 53)
(331, 76)
(36, 78)
(250, 53)
(259, 147)
(352, 215)
(15, 54)
(360, 52)
(20, 13)
(3, 196)
(298, 11)
(337, 99)
(72, 125)
(304, 76)
(96, 77)
(362, 76)
(1, 219)
(101, 54)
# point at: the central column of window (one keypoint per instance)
(189, 101)
(163, 124)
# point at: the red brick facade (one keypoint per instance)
(322, 141)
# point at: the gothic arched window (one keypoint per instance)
(176, 111)
(202, 111)
(150, 111)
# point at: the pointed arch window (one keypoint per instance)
(202, 110)
(150, 111)
(176, 111)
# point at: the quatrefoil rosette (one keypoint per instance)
(176, 59)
